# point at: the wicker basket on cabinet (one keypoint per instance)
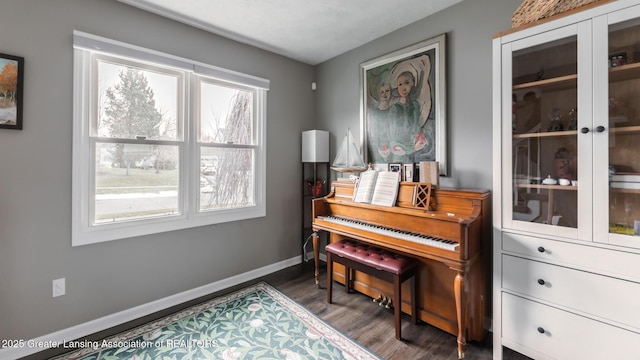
(533, 10)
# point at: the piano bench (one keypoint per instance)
(383, 264)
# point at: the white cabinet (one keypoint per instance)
(579, 291)
(546, 332)
(567, 186)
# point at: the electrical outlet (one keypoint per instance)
(59, 287)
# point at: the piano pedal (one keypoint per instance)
(379, 299)
(384, 302)
(388, 305)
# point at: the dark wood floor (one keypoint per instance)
(372, 326)
(354, 315)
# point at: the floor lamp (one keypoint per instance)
(315, 149)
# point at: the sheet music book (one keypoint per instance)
(377, 188)
(364, 187)
(385, 192)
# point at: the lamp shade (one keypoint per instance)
(315, 146)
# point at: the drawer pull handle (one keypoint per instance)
(541, 330)
(540, 249)
(540, 281)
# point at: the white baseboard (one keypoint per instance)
(79, 331)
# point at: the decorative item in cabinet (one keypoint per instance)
(618, 113)
(620, 58)
(527, 111)
(625, 181)
(554, 120)
(624, 199)
(564, 164)
(573, 120)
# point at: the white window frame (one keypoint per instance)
(86, 48)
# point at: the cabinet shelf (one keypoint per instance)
(618, 73)
(547, 134)
(625, 72)
(625, 191)
(557, 83)
(547, 187)
(625, 129)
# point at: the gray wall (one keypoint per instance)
(35, 175)
(470, 26)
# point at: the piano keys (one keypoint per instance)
(447, 241)
(394, 233)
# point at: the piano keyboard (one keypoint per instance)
(413, 237)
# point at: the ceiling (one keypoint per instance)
(310, 31)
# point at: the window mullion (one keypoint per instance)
(190, 173)
(228, 146)
(110, 140)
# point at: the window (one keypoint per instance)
(162, 143)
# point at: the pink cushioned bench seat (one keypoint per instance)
(374, 261)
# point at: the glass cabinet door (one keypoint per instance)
(620, 60)
(544, 134)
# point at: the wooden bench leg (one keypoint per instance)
(329, 276)
(414, 299)
(347, 279)
(397, 304)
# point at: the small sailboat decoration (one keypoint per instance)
(348, 158)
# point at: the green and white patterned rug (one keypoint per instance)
(257, 322)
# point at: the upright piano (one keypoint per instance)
(447, 239)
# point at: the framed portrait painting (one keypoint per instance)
(403, 105)
(11, 82)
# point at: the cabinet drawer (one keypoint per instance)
(609, 262)
(562, 335)
(597, 295)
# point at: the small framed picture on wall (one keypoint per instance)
(408, 171)
(395, 167)
(11, 82)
